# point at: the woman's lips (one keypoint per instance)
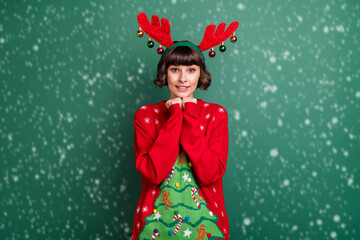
(182, 89)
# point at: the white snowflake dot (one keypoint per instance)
(247, 221)
(143, 107)
(207, 116)
(201, 127)
(145, 209)
(147, 120)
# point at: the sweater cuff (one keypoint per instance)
(192, 109)
(174, 108)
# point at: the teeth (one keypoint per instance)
(182, 87)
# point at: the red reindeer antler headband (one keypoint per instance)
(162, 35)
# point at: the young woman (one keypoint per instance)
(181, 149)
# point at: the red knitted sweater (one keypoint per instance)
(202, 130)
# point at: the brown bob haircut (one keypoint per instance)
(182, 55)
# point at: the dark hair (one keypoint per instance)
(182, 55)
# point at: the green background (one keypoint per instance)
(73, 73)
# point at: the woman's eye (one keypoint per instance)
(174, 69)
(192, 70)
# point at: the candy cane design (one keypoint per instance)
(154, 235)
(193, 190)
(172, 172)
(177, 216)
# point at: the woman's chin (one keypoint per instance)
(182, 95)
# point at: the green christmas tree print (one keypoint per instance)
(179, 211)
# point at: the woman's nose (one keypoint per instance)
(182, 76)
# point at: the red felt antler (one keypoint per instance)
(160, 33)
(212, 39)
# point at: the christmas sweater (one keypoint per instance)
(182, 157)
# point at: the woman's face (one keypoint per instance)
(182, 80)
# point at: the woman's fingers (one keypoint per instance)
(174, 101)
(188, 99)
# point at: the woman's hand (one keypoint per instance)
(188, 99)
(170, 102)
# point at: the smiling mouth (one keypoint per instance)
(182, 87)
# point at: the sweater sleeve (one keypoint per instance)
(156, 155)
(208, 154)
